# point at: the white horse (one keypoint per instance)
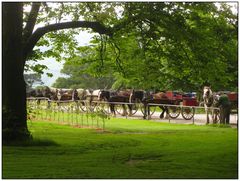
(81, 93)
(209, 99)
(92, 96)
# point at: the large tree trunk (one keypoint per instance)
(14, 123)
(17, 45)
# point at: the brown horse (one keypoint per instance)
(67, 94)
(114, 97)
(41, 93)
(157, 98)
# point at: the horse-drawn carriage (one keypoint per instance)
(180, 103)
(173, 103)
(233, 98)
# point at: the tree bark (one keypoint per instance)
(14, 123)
(31, 21)
(16, 46)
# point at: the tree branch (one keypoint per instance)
(33, 39)
(118, 61)
(31, 21)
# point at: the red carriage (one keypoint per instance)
(233, 98)
(176, 103)
(187, 100)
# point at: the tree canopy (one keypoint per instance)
(162, 45)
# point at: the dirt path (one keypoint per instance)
(199, 119)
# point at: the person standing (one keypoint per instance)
(225, 108)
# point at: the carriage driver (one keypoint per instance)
(225, 108)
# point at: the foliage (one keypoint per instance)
(80, 75)
(32, 79)
(62, 44)
(180, 46)
(156, 45)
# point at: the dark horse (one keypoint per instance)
(114, 97)
(157, 98)
(43, 92)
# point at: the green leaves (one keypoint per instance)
(39, 68)
(161, 45)
(183, 44)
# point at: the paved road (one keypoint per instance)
(199, 119)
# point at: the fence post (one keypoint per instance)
(148, 112)
(58, 113)
(76, 121)
(82, 120)
(72, 113)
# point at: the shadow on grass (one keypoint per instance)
(32, 142)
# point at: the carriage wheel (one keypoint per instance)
(103, 106)
(188, 112)
(93, 106)
(174, 111)
(142, 108)
(136, 106)
(83, 106)
(118, 108)
(152, 109)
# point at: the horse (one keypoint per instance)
(114, 97)
(31, 93)
(137, 96)
(81, 94)
(38, 92)
(43, 92)
(50, 92)
(67, 94)
(210, 99)
(122, 96)
(80, 97)
(105, 96)
(157, 98)
(92, 97)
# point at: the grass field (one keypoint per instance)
(126, 149)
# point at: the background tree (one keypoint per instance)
(32, 79)
(78, 77)
(179, 46)
(182, 45)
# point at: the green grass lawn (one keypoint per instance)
(126, 149)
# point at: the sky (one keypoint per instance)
(55, 67)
